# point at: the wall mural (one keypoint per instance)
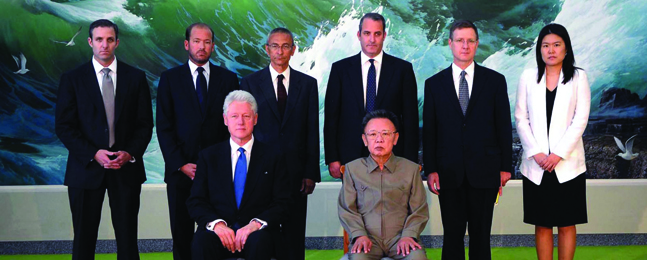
(41, 39)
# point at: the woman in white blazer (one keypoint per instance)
(551, 113)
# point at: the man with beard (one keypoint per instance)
(189, 118)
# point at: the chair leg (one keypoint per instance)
(346, 242)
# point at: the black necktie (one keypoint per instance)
(281, 94)
(370, 87)
(201, 89)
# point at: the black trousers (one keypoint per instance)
(207, 246)
(86, 207)
(471, 207)
(294, 230)
(182, 225)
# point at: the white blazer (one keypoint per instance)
(567, 124)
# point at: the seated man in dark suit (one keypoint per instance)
(238, 200)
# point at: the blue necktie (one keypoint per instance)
(240, 175)
(463, 93)
(201, 88)
(370, 88)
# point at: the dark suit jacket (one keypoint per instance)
(82, 126)
(182, 129)
(266, 195)
(296, 134)
(476, 146)
(344, 108)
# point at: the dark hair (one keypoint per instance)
(187, 34)
(462, 24)
(375, 17)
(280, 30)
(568, 65)
(103, 23)
(380, 113)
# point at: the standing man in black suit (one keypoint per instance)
(288, 106)
(362, 83)
(106, 124)
(241, 190)
(467, 144)
(189, 119)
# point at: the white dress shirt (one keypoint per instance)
(194, 72)
(275, 81)
(113, 74)
(469, 77)
(234, 160)
(366, 65)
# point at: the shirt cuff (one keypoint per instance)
(212, 224)
(263, 223)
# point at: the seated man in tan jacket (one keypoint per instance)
(383, 204)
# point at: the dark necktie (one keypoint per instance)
(463, 93)
(108, 92)
(240, 175)
(370, 88)
(201, 89)
(281, 94)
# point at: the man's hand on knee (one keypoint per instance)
(226, 236)
(243, 233)
(362, 242)
(406, 245)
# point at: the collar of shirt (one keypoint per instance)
(469, 77)
(113, 73)
(389, 166)
(235, 153)
(194, 72)
(275, 81)
(366, 65)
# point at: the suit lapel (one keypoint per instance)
(357, 87)
(188, 88)
(478, 84)
(122, 88)
(214, 81)
(253, 172)
(92, 88)
(386, 74)
(450, 90)
(266, 84)
(225, 178)
(293, 95)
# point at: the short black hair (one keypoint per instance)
(375, 17)
(280, 30)
(104, 23)
(568, 65)
(380, 113)
(462, 24)
(187, 34)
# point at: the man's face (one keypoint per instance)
(240, 120)
(199, 45)
(103, 43)
(380, 137)
(463, 45)
(371, 37)
(280, 48)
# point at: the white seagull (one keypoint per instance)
(71, 42)
(21, 64)
(626, 154)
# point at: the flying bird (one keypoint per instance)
(71, 42)
(626, 149)
(22, 62)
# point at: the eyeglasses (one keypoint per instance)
(275, 47)
(384, 134)
(463, 41)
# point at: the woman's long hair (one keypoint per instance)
(568, 65)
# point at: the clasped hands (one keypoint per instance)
(405, 245)
(235, 241)
(547, 162)
(103, 158)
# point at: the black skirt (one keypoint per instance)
(554, 204)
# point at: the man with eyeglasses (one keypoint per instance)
(383, 204)
(359, 84)
(189, 118)
(288, 108)
(467, 144)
